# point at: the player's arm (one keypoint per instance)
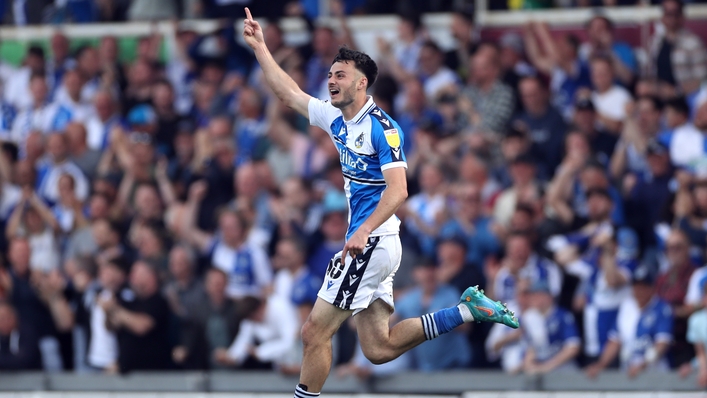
(391, 199)
(279, 82)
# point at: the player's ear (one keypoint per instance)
(362, 83)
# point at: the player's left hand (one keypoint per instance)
(354, 246)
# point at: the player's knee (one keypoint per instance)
(312, 334)
(378, 355)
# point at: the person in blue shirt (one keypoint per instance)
(643, 331)
(449, 351)
(550, 333)
(359, 279)
(600, 31)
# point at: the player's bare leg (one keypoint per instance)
(323, 322)
(381, 343)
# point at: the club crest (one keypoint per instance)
(359, 141)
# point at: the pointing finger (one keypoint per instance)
(248, 14)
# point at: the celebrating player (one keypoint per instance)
(359, 279)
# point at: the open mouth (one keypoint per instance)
(333, 92)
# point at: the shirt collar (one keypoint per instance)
(363, 112)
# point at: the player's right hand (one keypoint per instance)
(252, 32)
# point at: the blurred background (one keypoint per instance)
(166, 222)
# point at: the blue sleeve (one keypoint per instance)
(569, 331)
(625, 54)
(388, 142)
(664, 324)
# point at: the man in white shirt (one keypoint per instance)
(15, 90)
(69, 107)
(49, 174)
(268, 334)
(610, 99)
(34, 116)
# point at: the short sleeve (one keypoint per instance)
(694, 327)
(695, 287)
(570, 333)
(388, 144)
(322, 114)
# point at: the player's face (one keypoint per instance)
(342, 84)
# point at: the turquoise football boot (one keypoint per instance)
(486, 310)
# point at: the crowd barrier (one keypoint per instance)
(411, 383)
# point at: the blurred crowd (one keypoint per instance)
(170, 213)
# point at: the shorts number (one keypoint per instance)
(335, 268)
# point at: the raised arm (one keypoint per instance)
(280, 82)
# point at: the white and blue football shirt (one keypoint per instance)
(368, 144)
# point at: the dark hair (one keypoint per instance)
(680, 4)
(37, 75)
(602, 58)
(36, 51)
(655, 101)
(574, 41)
(432, 46)
(609, 23)
(466, 14)
(413, 18)
(362, 62)
(678, 104)
(81, 50)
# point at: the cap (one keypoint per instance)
(656, 147)
(141, 115)
(334, 201)
(513, 41)
(585, 104)
(539, 286)
(643, 276)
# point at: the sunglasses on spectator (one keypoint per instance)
(140, 138)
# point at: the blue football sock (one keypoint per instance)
(441, 322)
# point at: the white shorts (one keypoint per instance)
(356, 286)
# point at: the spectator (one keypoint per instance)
(553, 340)
(558, 59)
(525, 188)
(167, 117)
(330, 239)
(696, 336)
(59, 60)
(452, 267)
(81, 154)
(266, 335)
(508, 345)
(431, 295)
(648, 195)
(545, 126)
(678, 56)
(492, 102)
(610, 99)
(57, 165)
(462, 29)
(88, 66)
(184, 292)
(639, 129)
(293, 154)
(685, 137)
(101, 124)
(520, 262)
(424, 211)
(643, 334)
(34, 220)
(592, 254)
(246, 265)
(290, 267)
(324, 45)
(68, 106)
(102, 353)
(15, 92)
(466, 218)
(601, 142)
(19, 348)
(33, 116)
(671, 287)
(600, 31)
(408, 45)
(141, 320)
